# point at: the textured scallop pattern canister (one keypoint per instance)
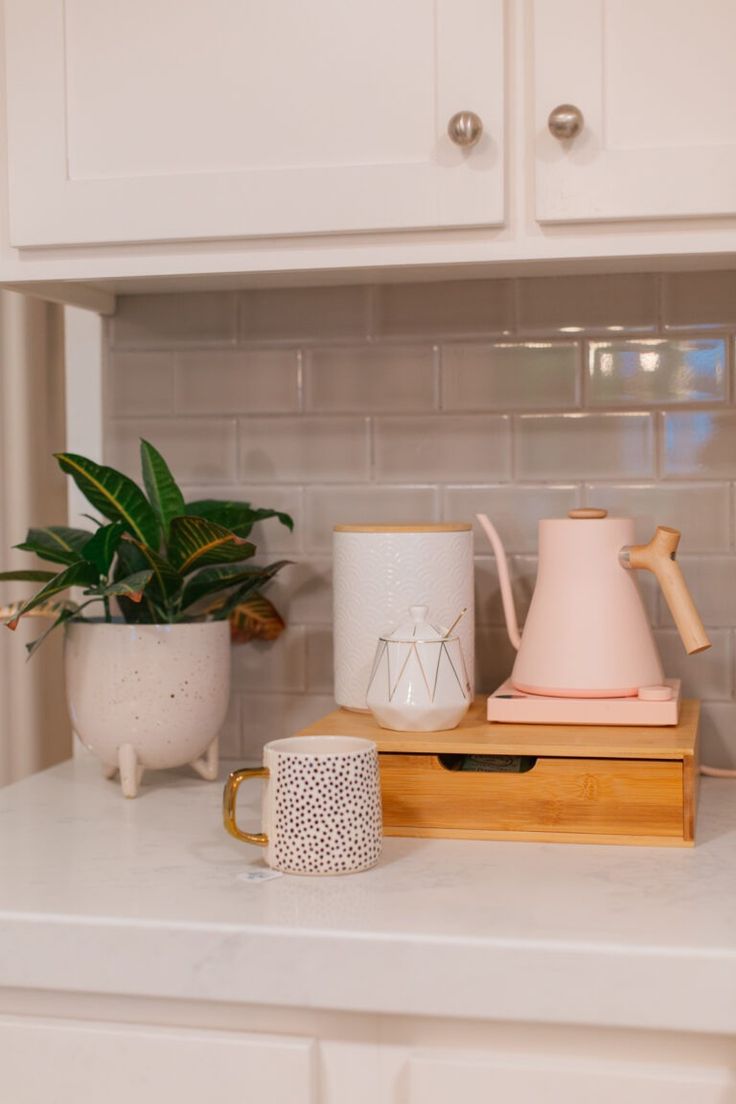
(379, 571)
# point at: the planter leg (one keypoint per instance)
(109, 772)
(130, 770)
(208, 764)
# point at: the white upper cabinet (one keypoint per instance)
(656, 83)
(157, 120)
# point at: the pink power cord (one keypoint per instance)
(717, 772)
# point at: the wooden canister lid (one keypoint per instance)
(418, 527)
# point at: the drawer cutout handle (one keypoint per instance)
(487, 764)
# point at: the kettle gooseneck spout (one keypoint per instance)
(507, 597)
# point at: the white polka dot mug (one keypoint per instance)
(321, 805)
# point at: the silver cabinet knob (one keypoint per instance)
(565, 121)
(465, 128)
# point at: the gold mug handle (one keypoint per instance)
(229, 798)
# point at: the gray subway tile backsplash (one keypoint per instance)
(237, 381)
(702, 511)
(712, 581)
(471, 447)
(364, 379)
(698, 299)
(175, 321)
(367, 504)
(607, 446)
(199, 450)
(698, 444)
(521, 398)
(657, 372)
(576, 304)
(446, 308)
(510, 376)
(140, 383)
(516, 508)
(304, 450)
(302, 314)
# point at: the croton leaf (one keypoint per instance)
(57, 543)
(114, 495)
(255, 618)
(27, 576)
(129, 561)
(212, 579)
(102, 546)
(51, 608)
(223, 608)
(166, 580)
(239, 517)
(161, 487)
(131, 587)
(65, 614)
(196, 542)
(78, 574)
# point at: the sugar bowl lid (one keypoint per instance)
(417, 627)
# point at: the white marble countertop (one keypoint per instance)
(142, 897)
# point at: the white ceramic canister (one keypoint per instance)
(381, 570)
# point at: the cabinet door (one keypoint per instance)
(65, 1061)
(439, 1078)
(656, 84)
(160, 120)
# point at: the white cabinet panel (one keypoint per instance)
(656, 84)
(73, 1061)
(157, 120)
(438, 1078)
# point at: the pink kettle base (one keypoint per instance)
(511, 706)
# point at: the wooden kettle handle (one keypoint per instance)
(659, 557)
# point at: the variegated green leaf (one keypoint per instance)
(66, 614)
(195, 542)
(114, 495)
(27, 576)
(238, 517)
(52, 608)
(129, 561)
(78, 574)
(57, 543)
(131, 587)
(161, 487)
(210, 580)
(166, 581)
(255, 618)
(100, 549)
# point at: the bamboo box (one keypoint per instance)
(558, 783)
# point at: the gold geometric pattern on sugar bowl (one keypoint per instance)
(413, 649)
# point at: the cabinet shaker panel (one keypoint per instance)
(155, 120)
(119, 1063)
(655, 84)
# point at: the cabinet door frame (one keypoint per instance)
(451, 188)
(583, 179)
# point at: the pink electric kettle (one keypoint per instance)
(587, 634)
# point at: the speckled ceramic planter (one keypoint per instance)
(148, 696)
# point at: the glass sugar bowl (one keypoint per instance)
(419, 682)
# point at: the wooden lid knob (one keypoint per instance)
(586, 513)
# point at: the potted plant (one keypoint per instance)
(148, 678)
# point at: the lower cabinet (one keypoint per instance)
(351, 1059)
(75, 1062)
(478, 1079)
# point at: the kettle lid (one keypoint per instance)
(587, 513)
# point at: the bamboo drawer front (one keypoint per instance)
(632, 785)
